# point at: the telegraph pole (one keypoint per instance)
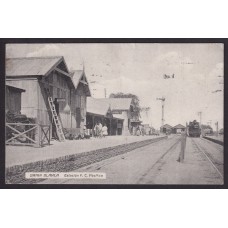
(200, 114)
(162, 99)
(216, 124)
(105, 92)
(209, 122)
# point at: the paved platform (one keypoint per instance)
(219, 138)
(18, 155)
(216, 139)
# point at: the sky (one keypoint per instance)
(139, 69)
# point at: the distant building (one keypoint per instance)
(166, 129)
(178, 129)
(99, 111)
(221, 131)
(122, 108)
(145, 117)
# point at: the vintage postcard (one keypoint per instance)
(114, 113)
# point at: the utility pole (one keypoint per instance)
(200, 114)
(162, 99)
(209, 122)
(216, 124)
(105, 92)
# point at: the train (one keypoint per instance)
(193, 129)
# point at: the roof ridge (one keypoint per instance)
(38, 57)
(116, 98)
(180, 125)
(73, 71)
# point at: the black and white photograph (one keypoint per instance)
(114, 113)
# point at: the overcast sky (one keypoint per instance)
(139, 69)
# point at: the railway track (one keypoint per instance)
(215, 163)
(124, 156)
(160, 161)
(123, 160)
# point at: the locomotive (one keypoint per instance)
(193, 129)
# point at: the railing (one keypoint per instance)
(27, 134)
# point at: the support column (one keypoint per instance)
(117, 127)
(93, 125)
(110, 131)
(38, 136)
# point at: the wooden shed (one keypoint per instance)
(13, 99)
(68, 90)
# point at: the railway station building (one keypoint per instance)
(145, 117)
(116, 113)
(166, 129)
(178, 129)
(99, 111)
(122, 108)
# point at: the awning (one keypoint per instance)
(135, 121)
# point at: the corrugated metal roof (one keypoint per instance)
(118, 103)
(179, 126)
(32, 66)
(118, 116)
(97, 106)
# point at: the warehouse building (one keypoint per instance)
(68, 90)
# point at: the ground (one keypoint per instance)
(149, 165)
(142, 161)
(18, 155)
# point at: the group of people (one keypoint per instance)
(139, 130)
(100, 131)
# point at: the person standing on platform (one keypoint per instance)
(138, 133)
(96, 130)
(104, 130)
(100, 130)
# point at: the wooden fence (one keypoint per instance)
(28, 134)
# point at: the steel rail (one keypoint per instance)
(171, 148)
(210, 161)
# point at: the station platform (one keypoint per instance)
(19, 155)
(216, 139)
